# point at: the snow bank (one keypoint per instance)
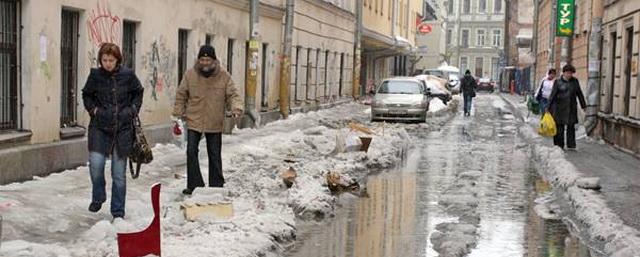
(588, 206)
(264, 209)
(436, 105)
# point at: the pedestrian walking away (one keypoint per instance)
(564, 107)
(544, 90)
(201, 98)
(113, 96)
(468, 87)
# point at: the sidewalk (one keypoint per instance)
(619, 172)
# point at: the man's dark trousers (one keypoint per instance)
(214, 146)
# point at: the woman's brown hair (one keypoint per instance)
(110, 49)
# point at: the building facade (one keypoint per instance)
(44, 63)
(388, 39)
(619, 112)
(475, 36)
(432, 44)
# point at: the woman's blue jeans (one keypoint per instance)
(119, 181)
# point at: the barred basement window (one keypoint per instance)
(230, 44)
(69, 67)
(183, 42)
(9, 11)
(129, 44)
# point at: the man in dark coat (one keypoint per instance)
(564, 107)
(468, 87)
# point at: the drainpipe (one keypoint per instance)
(534, 45)
(252, 118)
(357, 49)
(595, 48)
(552, 36)
(285, 63)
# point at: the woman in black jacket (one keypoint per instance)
(563, 106)
(113, 97)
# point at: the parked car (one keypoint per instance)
(454, 83)
(402, 99)
(486, 84)
(434, 72)
(436, 87)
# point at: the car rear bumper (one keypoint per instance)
(405, 114)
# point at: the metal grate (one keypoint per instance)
(9, 64)
(183, 42)
(69, 67)
(129, 44)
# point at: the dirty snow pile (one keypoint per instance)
(51, 218)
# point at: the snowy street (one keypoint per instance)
(48, 216)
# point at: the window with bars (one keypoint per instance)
(449, 35)
(230, 44)
(479, 67)
(183, 43)
(129, 44)
(9, 33)
(69, 67)
(263, 73)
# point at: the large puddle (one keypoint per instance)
(398, 217)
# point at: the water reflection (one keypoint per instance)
(550, 237)
(383, 224)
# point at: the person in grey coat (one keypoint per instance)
(563, 106)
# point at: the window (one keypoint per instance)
(230, 43)
(467, 7)
(9, 24)
(183, 42)
(449, 35)
(208, 39)
(341, 74)
(494, 68)
(627, 70)
(263, 73)
(69, 67)
(497, 38)
(465, 38)
(308, 73)
(497, 6)
(129, 44)
(612, 70)
(327, 85)
(464, 63)
(450, 5)
(295, 86)
(482, 6)
(480, 37)
(479, 67)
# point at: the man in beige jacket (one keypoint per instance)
(202, 96)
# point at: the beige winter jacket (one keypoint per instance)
(201, 101)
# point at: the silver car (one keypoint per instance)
(403, 99)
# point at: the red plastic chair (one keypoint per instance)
(146, 241)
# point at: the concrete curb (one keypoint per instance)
(603, 225)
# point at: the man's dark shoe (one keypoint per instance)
(95, 207)
(187, 191)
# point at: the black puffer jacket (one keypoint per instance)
(118, 98)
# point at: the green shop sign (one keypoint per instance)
(566, 13)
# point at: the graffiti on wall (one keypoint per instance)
(160, 64)
(103, 27)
